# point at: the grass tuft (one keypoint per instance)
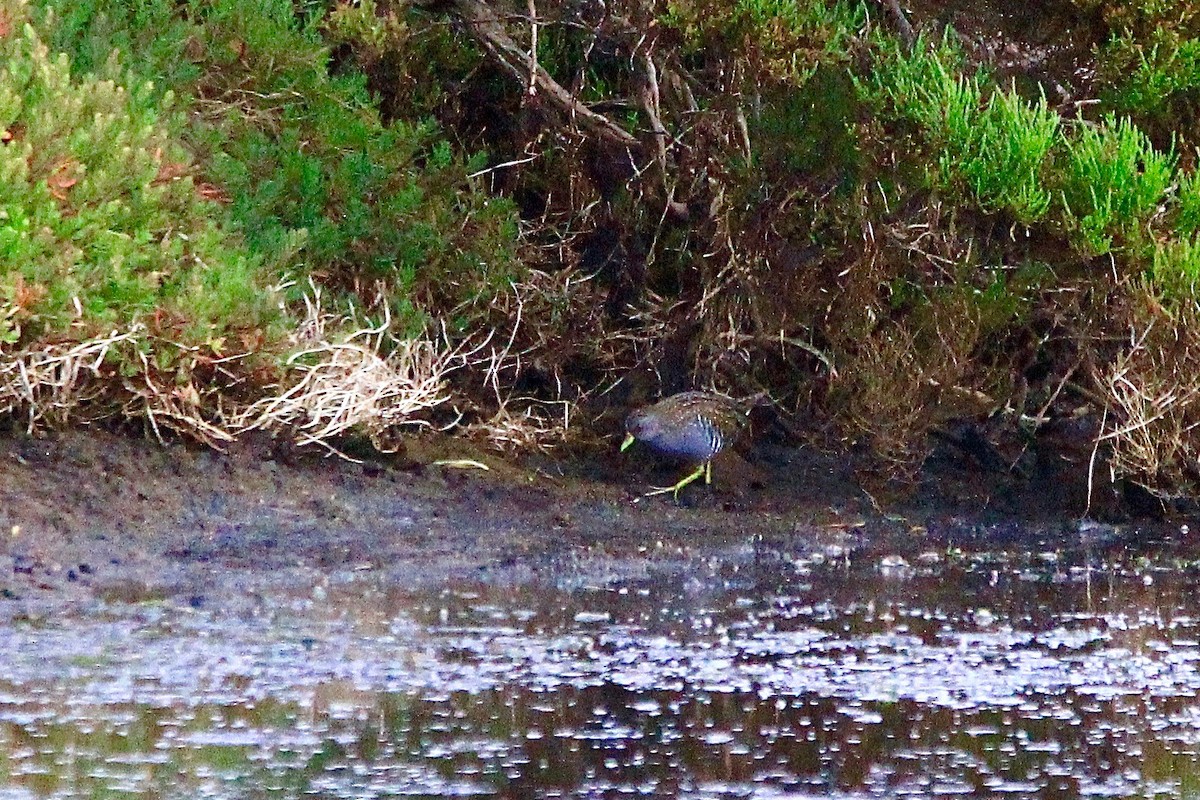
(1114, 181)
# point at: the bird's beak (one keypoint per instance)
(629, 439)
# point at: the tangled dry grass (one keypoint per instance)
(342, 387)
(75, 382)
(52, 383)
(527, 336)
(368, 383)
(1155, 419)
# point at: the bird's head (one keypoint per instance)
(639, 425)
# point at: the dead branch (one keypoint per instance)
(484, 24)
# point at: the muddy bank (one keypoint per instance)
(178, 623)
(93, 516)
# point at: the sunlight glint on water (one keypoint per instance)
(768, 678)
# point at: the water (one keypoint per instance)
(738, 670)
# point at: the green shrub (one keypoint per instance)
(1148, 65)
(381, 213)
(148, 36)
(1005, 164)
(101, 222)
(1187, 201)
(782, 40)
(1009, 155)
(992, 150)
(805, 130)
(1165, 74)
(1113, 182)
(1175, 272)
(904, 81)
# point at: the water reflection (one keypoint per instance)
(744, 672)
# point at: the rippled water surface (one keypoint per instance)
(739, 670)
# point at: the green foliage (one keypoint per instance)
(373, 31)
(1165, 74)
(1149, 65)
(807, 130)
(993, 150)
(906, 79)
(411, 59)
(150, 32)
(101, 223)
(1005, 161)
(1175, 273)
(783, 40)
(1012, 156)
(1113, 182)
(1187, 200)
(383, 213)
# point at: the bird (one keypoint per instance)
(694, 426)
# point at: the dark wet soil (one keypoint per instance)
(96, 515)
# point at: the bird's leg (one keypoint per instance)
(701, 470)
(708, 473)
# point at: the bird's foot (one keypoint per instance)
(657, 490)
(704, 469)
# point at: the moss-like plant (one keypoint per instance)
(1187, 202)
(102, 224)
(992, 147)
(1148, 66)
(1114, 181)
(784, 40)
(1175, 270)
(383, 214)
